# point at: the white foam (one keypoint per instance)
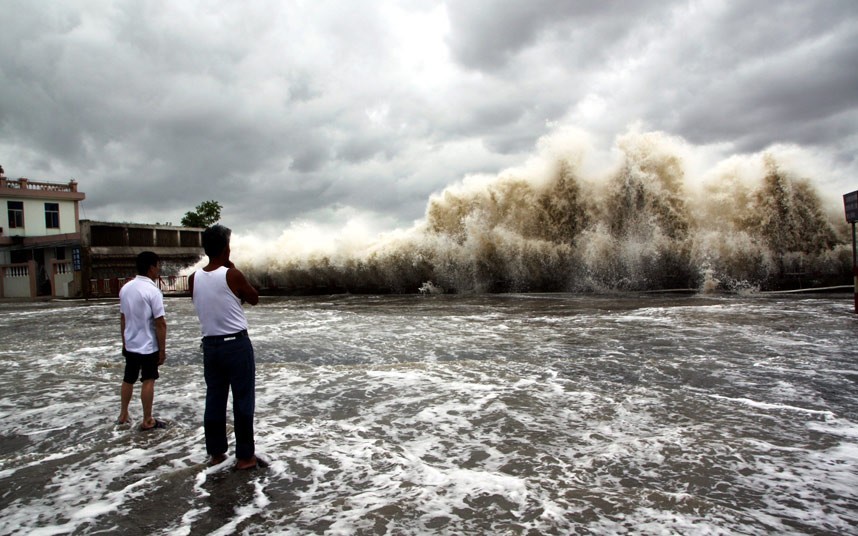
(766, 405)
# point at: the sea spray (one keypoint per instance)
(645, 220)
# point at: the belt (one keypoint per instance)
(223, 338)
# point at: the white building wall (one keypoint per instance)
(68, 221)
(34, 218)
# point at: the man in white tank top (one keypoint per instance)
(218, 291)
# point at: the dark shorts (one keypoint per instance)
(135, 363)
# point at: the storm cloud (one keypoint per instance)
(290, 112)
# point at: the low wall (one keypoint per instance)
(18, 280)
(62, 281)
(101, 288)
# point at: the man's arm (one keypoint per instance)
(239, 286)
(122, 328)
(191, 285)
(161, 336)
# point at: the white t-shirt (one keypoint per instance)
(218, 308)
(141, 301)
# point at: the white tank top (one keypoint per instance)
(218, 308)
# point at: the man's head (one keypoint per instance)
(147, 260)
(216, 240)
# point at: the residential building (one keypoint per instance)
(38, 235)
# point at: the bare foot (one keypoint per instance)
(249, 463)
(217, 460)
(154, 424)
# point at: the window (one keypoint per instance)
(52, 215)
(16, 214)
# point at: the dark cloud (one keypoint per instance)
(784, 72)
(486, 34)
(282, 111)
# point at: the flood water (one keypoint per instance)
(482, 414)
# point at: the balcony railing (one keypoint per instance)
(27, 184)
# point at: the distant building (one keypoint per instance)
(47, 250)
(108, 252)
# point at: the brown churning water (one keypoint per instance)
(648, 220)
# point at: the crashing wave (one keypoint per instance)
(645, 222)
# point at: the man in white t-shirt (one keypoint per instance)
(144, 337)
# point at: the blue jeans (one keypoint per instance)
(229, 364)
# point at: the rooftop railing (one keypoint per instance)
(27, 184)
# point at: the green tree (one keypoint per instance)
(207, 213)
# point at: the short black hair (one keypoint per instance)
(215, 239)
(145, 260)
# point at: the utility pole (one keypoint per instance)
(850, 203)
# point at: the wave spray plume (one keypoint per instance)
(645, 220)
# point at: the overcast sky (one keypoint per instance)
(325, 112)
